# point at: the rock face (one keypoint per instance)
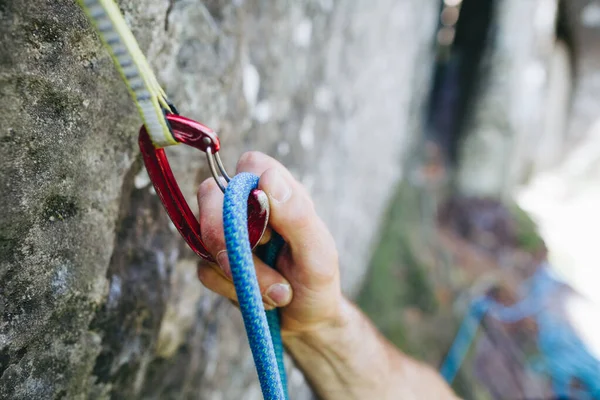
(98, 295)
(503, 138)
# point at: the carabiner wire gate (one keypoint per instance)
(214, 158)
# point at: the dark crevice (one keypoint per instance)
(4, 360)
(138, 275)
(7, 359)
(461, 66)
(564, 32)
(457, 73)
(168, 14)
(215, 8)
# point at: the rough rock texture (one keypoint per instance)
(98, 295)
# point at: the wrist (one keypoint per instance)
(338, 357)
(346, 357)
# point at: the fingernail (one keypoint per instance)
(279, 294)
(223, 261)
(279, 189)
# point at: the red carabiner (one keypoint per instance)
(194, 134)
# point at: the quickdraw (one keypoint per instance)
(245, 206)
(164, 127)
(196, 135)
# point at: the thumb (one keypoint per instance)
(311, 261)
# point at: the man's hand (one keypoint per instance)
(340, 352)
(307, 284)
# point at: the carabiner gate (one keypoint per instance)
(196, 135)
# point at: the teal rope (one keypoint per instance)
(566, 357)
(465, 336)
(269, 254)
(262, 328)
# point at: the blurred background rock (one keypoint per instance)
(503, 178)
(388, 111)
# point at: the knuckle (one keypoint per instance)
(249, 158)
(301, 215)
(309, 200)
(305, 197)
(205, 187)
(332, 273)
(327, 271)
(326, 276)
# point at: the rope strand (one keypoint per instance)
(262, 328)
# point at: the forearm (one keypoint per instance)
(352, 360)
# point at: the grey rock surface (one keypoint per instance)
(98, 294)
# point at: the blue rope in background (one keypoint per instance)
(565, 356)
(464, 338)
(262, 328)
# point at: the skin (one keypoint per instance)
(340, 352)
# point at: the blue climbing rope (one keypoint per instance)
(262, 328)
(465, 336)
(268, 254)
(565, 356)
